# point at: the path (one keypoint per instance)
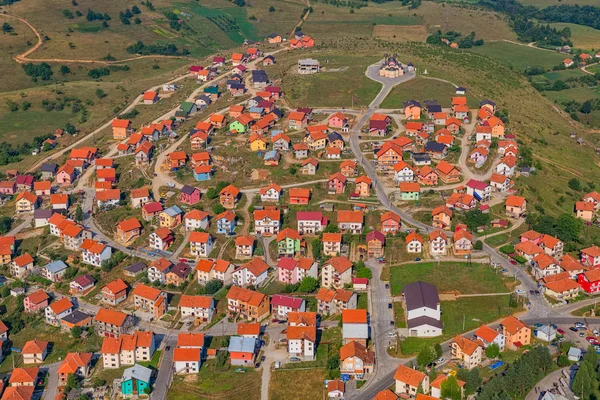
(531, 44)
(584, 68)
(25, 224)
(24, 57)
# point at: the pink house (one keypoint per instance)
(37, 301)
(8, 187)
(337, 183)
(65, 175)
(531, 236)
(591, 256)
(338, 120)
(190, 195)
(291, 271)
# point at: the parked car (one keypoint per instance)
(391, 334)
(579, 324)
(581, 334)
(560, 331)
(519, 291)
(390, 306)
(513, 262)
(418, 259)
(572, 328)
(294, 359)
(387, 285)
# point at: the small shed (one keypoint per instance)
(574, 354)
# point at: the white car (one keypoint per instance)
(595, 332)
(440, 360)
(519, 291)
(392, 334)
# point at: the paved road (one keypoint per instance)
(52, 385)
(164, 377)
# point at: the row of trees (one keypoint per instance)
(454, 37)
(161, 49)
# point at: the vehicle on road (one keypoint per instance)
(387, 285)
(168, 348)
(171, 184)
(560, 331)
(537, 292)
(572, 328)
(391, 323)
(513, 262)
(263, 358)
(392, 334)
(595, 332)
(581, 334)
(504, 270)
(440, 360)
(418, 259)
(519, 291)
(294, 359)
(390, 306)
(538, 325)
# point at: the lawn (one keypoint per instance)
(399, 317)
(519, 57)
(564, 74)
(497, 240)
(462, 315)
(579, 94)
(421, 89)
(211, 382)
(304, 384)
(476, 278)
(363, 301)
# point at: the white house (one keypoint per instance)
(546, 333)
(423, 312)
(506, 166)
(403, 172)
(414, 243)
(95, 253)
(58, 310)
(489, 336)
(438, 243)
(254, 272)
(302, 341)
(270, 193)
(310, 222)
(187, 361)
(282, 305)
(201, 308)
(266, 222)
(336, 273)
(196, 219)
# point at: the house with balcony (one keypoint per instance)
(332, 244)
(112, 324)
(207, 270)
(468, 352)
(95, 253)
(161, 239)
(350, 221)
(254, 273)
(226, 222)
(310, 222)
(244, 246)
(114, 292)
(289, 243)
(356, 360)
(438, 243)
(247, 304)
(267, 222)
(127, 349)
(158, 269)
(201, 244)
(291, 271)
(150, 300)
(390, 223)
(336, 273)
(331, 301)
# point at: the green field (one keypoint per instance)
(466, 279)
(564, 74)
(16, 127)
(460, 316)
(546, 3)
(583, 37)
(519, 57)
(420, 89)
(580, 94)
(594, 68)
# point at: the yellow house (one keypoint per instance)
(26, 202)
(257, 142)
(171, 217)
(584, 210)
(316, 140)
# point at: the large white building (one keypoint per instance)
(423, 313)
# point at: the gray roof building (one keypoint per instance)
(420, 294)
(138, 372)
(242, 344)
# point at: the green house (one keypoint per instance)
(238, 127)
(135, 381)
(289, 242)
(410, 191)
(188, 107)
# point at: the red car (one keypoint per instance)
(560, 331)
(513, 262)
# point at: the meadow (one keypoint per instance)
(547, 3)
(519, 57)
(583, 37)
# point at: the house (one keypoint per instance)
(242, 350)
(253, 272)
(178, 275)
(150, 300)
(515, 206)
(379, 124)
(150, 97)
(201, 244)
(158, 270)
(590, 256)
(412, 110)
(267, 222)
(299, 196)
(337, 120)
(438, 243)
(300, 150)
(332, 244)
(189, 195)
(426, 176)
(36, 301)
(108, 198)
(348, 168)
(422, 309)
(274, 38)
(24, 182)
(488, 336)
(410, 191)
(114, 292)
(589, 281)
(196, 219)
(436, 150)
(336, 272)
(414, 242)
(23, 378)
(229, 196)
(94, 253)
(82, 285)
(282, 305)
(247, 304)
(350, 221)
(297, 120)
(76, 364)
(584, 210)
(388, 155)
(335, 389)
(21, 266)
(8, 187)
(226, 222)
(48, 171)
(355, 326)
(515, 332)
(128, 230)
(447, 172)
(289, 243)
(291, 271)
(135, 381)
(308, 66)
(41, 188)
(187, 360)
(390, 222)
(409, 380)
(562, 289)
(143, 154)
(506, 166)
(272, 192)
(281, 142)
(363, 186)
(161, 239)
(500, 183)
(469, 352)
(151, 210)
(54, 271)
(592, 197)
(479, 155)
(403, 172)
(567, 62)
(356, 360)
(309, 166)
(441, 217)
(331, 301)
(201, 308)
(375, 242)
(461, 201)
(543, 265)
(207, 270)
(463, 241)
(170, 217)
(34, 351)
(26, 202)
(244, 246)
(528, 250)
(139, 197)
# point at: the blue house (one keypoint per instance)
(226, 222)
(135, 380)
(203, 172)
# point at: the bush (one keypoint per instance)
(507, 249)
(563, 361)
(478, 245)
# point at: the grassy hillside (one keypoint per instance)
(582, 37)
(546, 3)
(519, 57)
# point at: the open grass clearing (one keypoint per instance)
(579, 94)
(466, 279)
(519, 57)
(583, 37)
(417, 33)
(305, 384)
(421, 88)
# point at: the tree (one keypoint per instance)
(574, 184)
(64, 70)
(78, 213)
(271, 9)
(76, 332)
(217, 208)
(137, 20)
(478, 245)
(438, 350)
(587, 107)
(225, 341)
(474, 381)
(213, 286)
(100, 93)
(563, 361)
(582, 384)
(425, 357)
(492, 351)
(5, 224)
(221, 359)
(6, 28)
(308, 284)
(420, 389)
(450, 389)
(135, 10)
(568, 228)
(316, 248)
